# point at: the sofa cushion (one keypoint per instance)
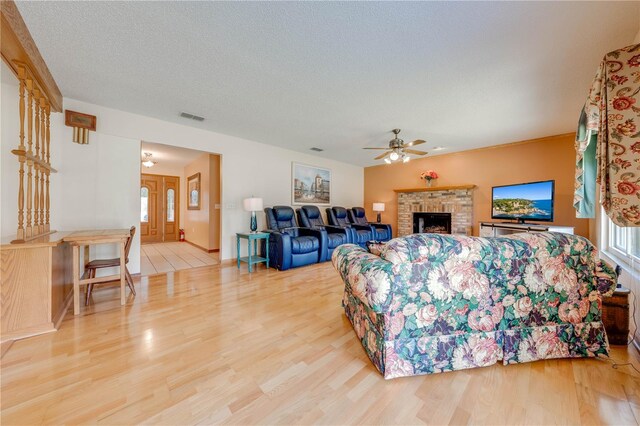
(301, 245)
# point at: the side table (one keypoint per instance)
(615, 316)
(254, 237)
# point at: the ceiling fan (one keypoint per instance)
(398, 150)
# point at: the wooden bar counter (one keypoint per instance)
(36, 285)
(38, 277)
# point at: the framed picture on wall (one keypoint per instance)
(310, 185)
(193, 191)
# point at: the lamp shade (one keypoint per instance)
(253, 204)
(378, 207)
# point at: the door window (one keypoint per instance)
(171, 205)
(144, 204)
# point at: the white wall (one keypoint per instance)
(8, 162)
(97, 191)
(248, 167)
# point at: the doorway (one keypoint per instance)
(176, 233)
(159, 208)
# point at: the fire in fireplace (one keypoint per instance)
(438, 223)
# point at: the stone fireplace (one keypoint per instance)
(434, 223)
(430, 207)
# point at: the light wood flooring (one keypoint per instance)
(215, 345)
(157, 258)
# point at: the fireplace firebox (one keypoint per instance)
(437, 223)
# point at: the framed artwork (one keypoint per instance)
(193, 190)
(310, 185)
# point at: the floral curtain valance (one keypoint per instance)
(612, 111)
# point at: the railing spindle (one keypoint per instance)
(30, 152)
(21, 159)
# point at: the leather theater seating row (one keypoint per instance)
(310, 240)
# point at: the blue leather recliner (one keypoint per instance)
(291, 246)
(360, 234)
(381, 231)
(310, 217)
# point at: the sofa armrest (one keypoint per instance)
(366, 276)
(606, 278)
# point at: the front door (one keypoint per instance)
(159, 208)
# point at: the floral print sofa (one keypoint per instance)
(431, 303)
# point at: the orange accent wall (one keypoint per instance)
(528, 161)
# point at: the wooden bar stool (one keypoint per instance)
(94, 265)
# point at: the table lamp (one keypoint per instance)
(378, 208)
(253, 205)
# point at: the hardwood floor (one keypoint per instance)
(157, 258)
(218, 345)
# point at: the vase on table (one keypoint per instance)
(429, 182)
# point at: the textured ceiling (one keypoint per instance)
(169, 156)
(336, 75)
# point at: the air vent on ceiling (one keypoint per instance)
(317, 149)
(191, 116)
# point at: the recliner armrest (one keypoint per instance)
(385, 226)
(362, 227)
(279, 249)
(335, 229)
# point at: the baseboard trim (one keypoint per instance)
(28, 332)
(4, 347)
(67, 303)
(636, 342)
(202, 248)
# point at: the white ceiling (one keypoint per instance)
(169, 156)
(337, 75)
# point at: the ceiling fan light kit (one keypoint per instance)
(398, 150)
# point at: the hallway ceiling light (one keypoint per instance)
(147, 161)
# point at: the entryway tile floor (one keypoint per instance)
(158, 258)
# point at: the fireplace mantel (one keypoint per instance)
(436, 188)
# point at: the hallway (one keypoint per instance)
(166, 257)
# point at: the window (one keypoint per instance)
(144, 204)
(621, 242)
(171, 205)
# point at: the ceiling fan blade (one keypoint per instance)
(416, 142)
(415, 151)
(381, 156)
(376, 148)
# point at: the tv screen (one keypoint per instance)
(524, 201)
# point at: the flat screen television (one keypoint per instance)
(523, 201)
